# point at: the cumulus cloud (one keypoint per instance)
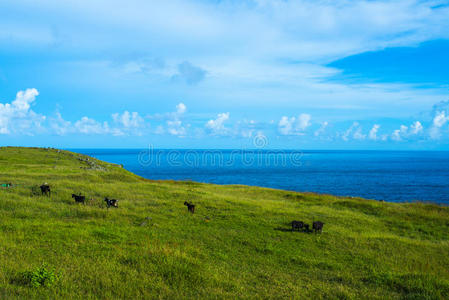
(407, 132)
(128, 120)
(59, 125)
(373, 132)
(90, 126)
(416, 128)
(189, 73)
(294, 125)
(181, 108)
(17, 117)
(439, 121)
(124, 123)
(358, 135)
(398, 134)
(127, 123)
(173, 122)
(216, 126)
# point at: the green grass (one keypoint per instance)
(236, 245)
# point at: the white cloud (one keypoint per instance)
(128, 120)
(398, 134)
(216, 126)
(17, 117)
(416, 128)
(405, 132)
(124, 123)
(127, 123)
(59, 125)
(293, 125)
(173, 122)
(321, 130)
(303, 121)
(24, 99)
(91, 126)
(358, 135)
(181, 108)
(286, 125)
(439, 120)
(373, 132)
(348, 131)
(175, 127)
(291, 27)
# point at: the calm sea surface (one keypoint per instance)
(389, 175)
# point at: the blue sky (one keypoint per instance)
(225, 74)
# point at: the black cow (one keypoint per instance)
(297, 225)
(45, 189)
(79, 198)
(111, 202)
(190, 207)
(318, 226)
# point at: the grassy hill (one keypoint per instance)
(236, 245)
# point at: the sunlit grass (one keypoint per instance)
(236, 245)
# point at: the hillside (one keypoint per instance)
(238, 244)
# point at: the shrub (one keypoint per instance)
(40, 276)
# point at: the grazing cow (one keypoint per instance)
(79, 198)
(318, 226)
(45, 189)
(297, 225)
(111, 202)
(190, 207)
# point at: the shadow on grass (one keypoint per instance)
(283, 229)
(291, 230)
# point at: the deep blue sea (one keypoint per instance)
(383, 175)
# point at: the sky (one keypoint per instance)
(225, 74)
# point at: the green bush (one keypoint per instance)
(40, 276)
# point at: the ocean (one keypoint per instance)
(396, 176)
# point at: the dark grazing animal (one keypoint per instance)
(111, 202)
(297, 225)
(79, 198)
(190, 207)
(45, 189)
(318, 226)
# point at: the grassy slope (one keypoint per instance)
(368, 249)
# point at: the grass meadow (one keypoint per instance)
(237, 245)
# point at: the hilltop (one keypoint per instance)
(238, 244)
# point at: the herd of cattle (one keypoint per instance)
(317, 226)
(45, 190)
